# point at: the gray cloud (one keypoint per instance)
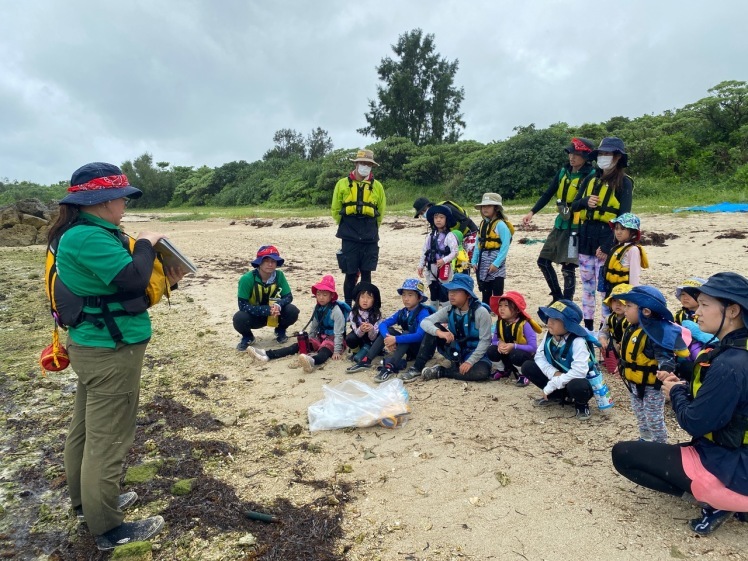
(203, 82)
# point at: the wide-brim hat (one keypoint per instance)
(98, 182)
(461, 281)
(581, 147)
(568, 312)
(628, 220)
(519, 301)
(648, 297)
(490, 199)
(615, 294)
(441, 209)
(365, 156)
(612, 144)
(327, 283)
(728, 286)
(416, 286)
(691, 286)
(268, 252)
(371, 289)
(420, 205)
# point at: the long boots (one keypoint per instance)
(546, 267)
(570, 280)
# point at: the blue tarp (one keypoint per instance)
(719, 207)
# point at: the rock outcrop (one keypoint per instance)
(26, 222)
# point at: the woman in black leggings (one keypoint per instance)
(713, 467)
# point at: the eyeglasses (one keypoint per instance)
(127, 202)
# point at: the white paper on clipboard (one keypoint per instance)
(173, 257)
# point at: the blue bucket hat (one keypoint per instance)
(570, 314)
(728, 286)
(268, 251)
(648, 297)
(416, 286)
(98, 182)
(631, 221)
(612, 144)
(691, 286)
(441, 209)
(461, 281)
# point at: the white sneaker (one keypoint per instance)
(257, 354)
(306, 362)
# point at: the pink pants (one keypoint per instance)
(706, 488)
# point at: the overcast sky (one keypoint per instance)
(198, 82)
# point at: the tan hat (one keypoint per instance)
(490, 199)
(365, 156)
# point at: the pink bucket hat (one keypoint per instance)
(327, 283)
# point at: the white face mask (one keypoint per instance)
(605, 162)
(364, 171)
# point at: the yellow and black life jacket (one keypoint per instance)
(617, 327)
(67, 308)
(515, 332)
(735, 433)
(488, 238)
(637, 368)
(567, 190)
(609, 205)
(358, 200)
(615, 272)
(684, 315)
(261, 292)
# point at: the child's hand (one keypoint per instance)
(592, 201)
(448, 336)
(366, 327)
(600, 255)
(419, 270)
(439, 263)
(336, 356)
(506, 348)
(664, 376)
(492, 269)
(390, 341)
(465, 368)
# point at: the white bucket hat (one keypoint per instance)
(490, 199)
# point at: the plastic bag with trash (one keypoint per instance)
(356, 404)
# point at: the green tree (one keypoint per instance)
(288, 143)
(418, 99)
(157, 183)
(318, 144)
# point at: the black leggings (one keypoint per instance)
(322, 355)
(569, 274)
(491, 288)
(652, 465)
(350, 283)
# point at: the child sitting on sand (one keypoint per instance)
(364, 319)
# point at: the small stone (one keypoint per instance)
(227, 421)
(502, 478)
(141, 473)
(182, 487)
(247, 540)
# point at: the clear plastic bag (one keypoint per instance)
(356, 404)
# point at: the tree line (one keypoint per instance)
(417, 124)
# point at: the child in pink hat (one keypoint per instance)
(326, 335)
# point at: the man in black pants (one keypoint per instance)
(358, 204)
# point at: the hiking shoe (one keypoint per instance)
(280, 335)
(409, 375)
(742, 516)
(542, 402)
(306, 362)
(499, 374)
(245, 342)
(384, 375)
(257, 354)
(711, 519)
(522, 381)
(124, 500)
(358, 367)
(432, 372)
(583, 412)
(128, 532)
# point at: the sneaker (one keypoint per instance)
(128, 532)
(522, 381)
(583, 412)
(742, 516)
(257, 354)
(125, 500)
(543, 402)
(358, 367)
(280, 335)
(711, 519)
(246, 341)
(499, 374)
(384, 375)
(409, 375)
(432, 372)
(306, 362)
(361, 353)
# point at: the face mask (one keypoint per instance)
(364, 171)
(604, 162)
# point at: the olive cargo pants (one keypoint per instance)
(102, 429)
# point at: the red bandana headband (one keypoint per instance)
(109, 182)
(580, 146)
(267, 250)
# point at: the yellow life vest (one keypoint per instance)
(615, 272)
(567, 190)
(261, 292)
(684, 315)
(461, 263)
(617, 327)
(609, 205)
(700, 370)
(488, 238)
(637, 367)
(515, 332)
(358, 200)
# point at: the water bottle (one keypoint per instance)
(600, 389)
(273, 320)
(444, 272)
(573, 250)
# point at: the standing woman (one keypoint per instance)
(602, 197)
(563, 188)
(713, 467)
(107, 348)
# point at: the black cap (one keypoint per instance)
(728, 286)
(421, 204)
